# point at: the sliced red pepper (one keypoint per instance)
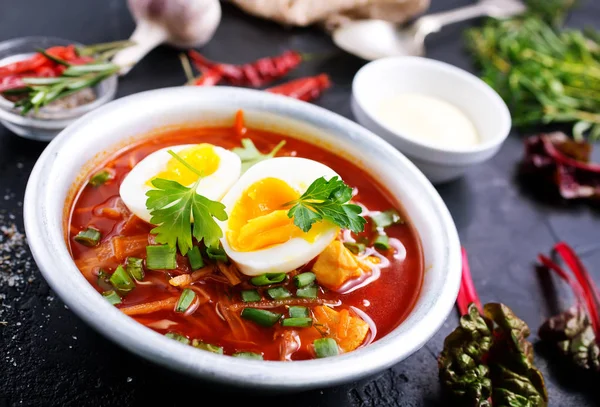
(46, 71)
(23, 66)
(11, 82)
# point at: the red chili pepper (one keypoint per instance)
(308, 88)
(256, 74)
(208, 78)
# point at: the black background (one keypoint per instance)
(48, 357)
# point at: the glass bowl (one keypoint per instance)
(47, 123)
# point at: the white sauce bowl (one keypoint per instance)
(387, 77)
(99, 134)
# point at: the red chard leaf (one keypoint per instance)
(563, 164)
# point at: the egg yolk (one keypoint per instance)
(259, 218)
(201, 157)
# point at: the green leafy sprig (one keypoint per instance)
(173, 206)
(545, 74)
(250, 155)
(327, 200)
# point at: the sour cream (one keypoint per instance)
(428, 119)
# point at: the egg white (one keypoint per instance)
(298, 173)
(214, 186)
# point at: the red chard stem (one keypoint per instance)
(582, 285)
(587, 285)
(467, 293)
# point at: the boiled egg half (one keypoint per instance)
(258, 235)
(220, 169)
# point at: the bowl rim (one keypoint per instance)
(110, 89)
(432, 65)
(267, 375)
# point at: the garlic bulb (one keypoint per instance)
(181, 23)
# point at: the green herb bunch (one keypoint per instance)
(546, 74)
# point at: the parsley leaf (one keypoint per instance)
(250, 155)
(172, 207)
(327, 200)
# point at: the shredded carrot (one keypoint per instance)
(342, 330)
(320, 314)
(127, 246)
(239, 126)
(150, 307)
(100, 256)
(111, 213)
(231, 272)
(84, 210)
(203, 296)
(132, 225)
(233, 319)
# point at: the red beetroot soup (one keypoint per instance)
(366, 283)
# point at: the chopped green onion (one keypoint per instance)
(386, 218)
(304, 279)
(248, 355)
(250, 296)
(135, 268)
(77, 70)
(121, 280)
(298, 312)
(216, 254)
(382, 242)
(297, 322)
(100, 178)
(104, 280)
(326, 347)
(178, 337)
(261, 316)
(355, 248)
(267, 279)
(309, 291)
(161, 257)
(185, 300)
(112, 297)
(207, 346)
(195, 258)
(89, 237)
(279, 293)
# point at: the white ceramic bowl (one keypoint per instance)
(100, 133)
(387, 77)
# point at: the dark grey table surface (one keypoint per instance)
(48, 357)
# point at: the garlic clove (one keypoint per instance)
(181, 23)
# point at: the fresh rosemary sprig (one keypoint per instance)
(545, 74)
